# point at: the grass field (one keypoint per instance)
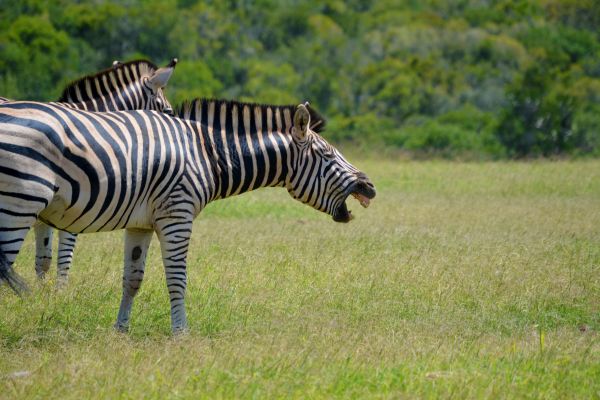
(460, 281)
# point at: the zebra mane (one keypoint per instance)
(187, 109)
(143, 66)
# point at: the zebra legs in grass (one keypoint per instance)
(136, 250)
(43, 248)
(66, 246)
(12, 235)
(14, 226)
(43, 251)
(174, 237)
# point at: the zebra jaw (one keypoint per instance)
(363, 191)
(362, 199)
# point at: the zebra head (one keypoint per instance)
(155, 84)
(320, 175)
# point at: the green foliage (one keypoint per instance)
(386, 72)
(551, 113)
(448, 137)
(193, 79)
(282, 79)
(33, 56)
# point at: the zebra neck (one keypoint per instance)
(249, 144)
(125, 99)
(112, 89)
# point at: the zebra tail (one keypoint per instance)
(8, 275)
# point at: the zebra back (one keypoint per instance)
(192, 110)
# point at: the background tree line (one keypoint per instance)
(478, 78)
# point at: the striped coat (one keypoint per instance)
(134, 85)
(147, 172)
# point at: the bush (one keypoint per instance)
(465, 132)
(445, 140)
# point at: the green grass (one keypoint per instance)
(460, 281)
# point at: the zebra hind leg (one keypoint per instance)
(20, 204)
(136, 250)
(66, 245)
(8, 275)
(174, 236)
(43, 248)
(11, 240)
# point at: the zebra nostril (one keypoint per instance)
(366, 184)
(364, 178)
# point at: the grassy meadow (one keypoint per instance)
(462, 280)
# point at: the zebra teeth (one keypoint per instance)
(362, 199)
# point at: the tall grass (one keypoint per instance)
(461, 280)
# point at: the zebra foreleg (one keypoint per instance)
(43, 248)
(174, 236)
(66, 245)
(136, 249)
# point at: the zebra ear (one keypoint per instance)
(301, 122)
(160, 77)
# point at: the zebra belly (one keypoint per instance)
(75, 219)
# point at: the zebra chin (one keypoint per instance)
(363, 191)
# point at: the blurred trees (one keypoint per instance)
(480, 78)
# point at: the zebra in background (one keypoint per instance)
(148, 172)
(132, 85)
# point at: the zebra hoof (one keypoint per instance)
(61, 283)
(180, 331)
(121, 328)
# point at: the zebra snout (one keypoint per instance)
(365, 185)
(363, 178)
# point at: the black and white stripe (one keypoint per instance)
(147, 172)
(134, 85)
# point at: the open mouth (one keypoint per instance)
(363, 192)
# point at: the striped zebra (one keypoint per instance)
(148, 172)
(125, 86)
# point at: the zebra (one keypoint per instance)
(132, 85)
(147, 172)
